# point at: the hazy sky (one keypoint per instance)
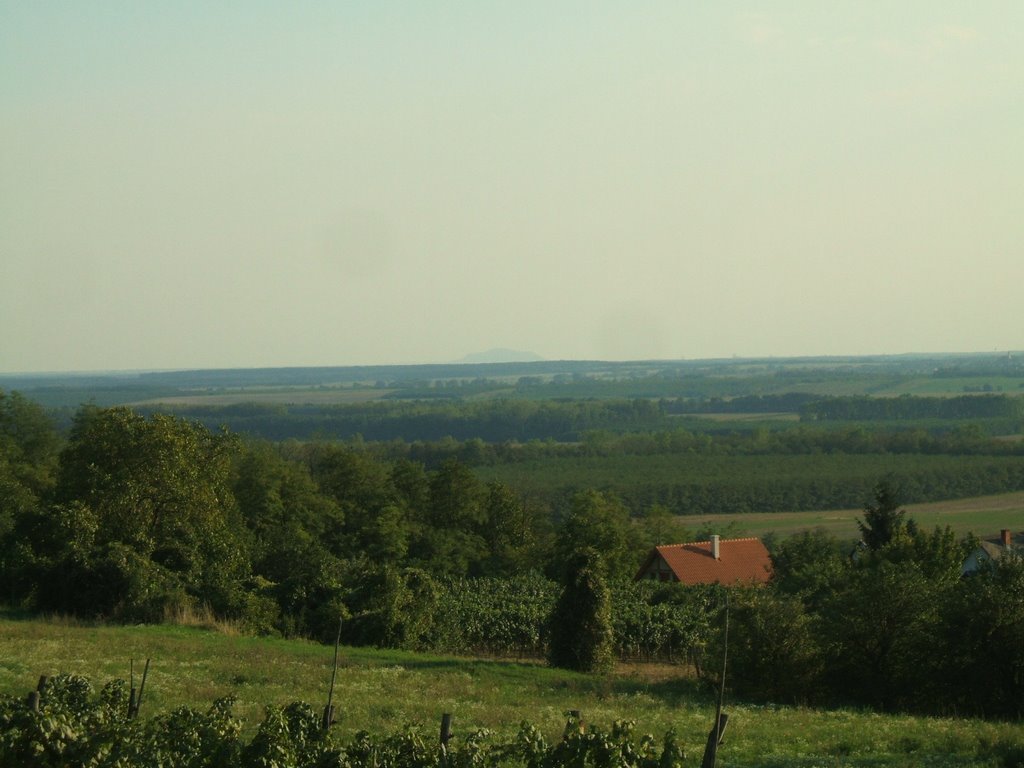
(197, 184)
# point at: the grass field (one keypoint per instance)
(984, 516)
(382, 691)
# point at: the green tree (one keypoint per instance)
(410, 482)
(296, 540)
(984, 642)
(515, 533)
(939, 554)
(28, 462)
(879, 628)
(659, 526)
(362, 489)
(390, 607)
(283, 509)
(580, 635)
(883, 519)
(449, 538)
(456, 498)
(28, 441)
(154, 497)
(808, 565)
(773, 649)
(601, 523)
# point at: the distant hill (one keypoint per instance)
(502, 356)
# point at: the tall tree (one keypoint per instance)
(283, 510)
(515, 533)
(449, 538)
(983, 662)
(659, 526)
(28, 458)
(372, 497)
(808, 565)
(161, 515)
(602, 523)
(880, 626)
(883, 519)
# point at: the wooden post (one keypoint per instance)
(446, 735)
(715, 737)
(328, 717)
(36, 695)
(142, 688)
(446, 729)
(577, 716)
(132, 692)
(714, 741)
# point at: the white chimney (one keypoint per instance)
(714, 547)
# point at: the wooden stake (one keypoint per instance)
(446, 735)
(715, 737)
(328, 717)
(446, 729)
(132, 692)
(142, 688)
(574, 714)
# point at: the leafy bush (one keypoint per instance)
(74, 729)
(773, 649)
(391, 608)
(581, 624)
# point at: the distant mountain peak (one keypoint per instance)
(501, 355)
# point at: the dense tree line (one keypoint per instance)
(431, 419)
(895, 628)
(909, 407)
(518, 419)
(136, 518)
(805, 466)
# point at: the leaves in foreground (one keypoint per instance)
(72, 726)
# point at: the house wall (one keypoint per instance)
(974, 561)
(659, 571)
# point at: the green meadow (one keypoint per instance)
(383, 691)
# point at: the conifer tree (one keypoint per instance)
(883, 520)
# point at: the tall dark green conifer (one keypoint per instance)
(883, 520)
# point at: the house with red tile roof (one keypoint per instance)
(717, 561)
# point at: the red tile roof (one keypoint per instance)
(738, 560)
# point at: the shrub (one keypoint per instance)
(581, 624)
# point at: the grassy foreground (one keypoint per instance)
(382, 691)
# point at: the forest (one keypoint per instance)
(140, 517)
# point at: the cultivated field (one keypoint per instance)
(271, 396)
(984, 516)
(383, 691)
